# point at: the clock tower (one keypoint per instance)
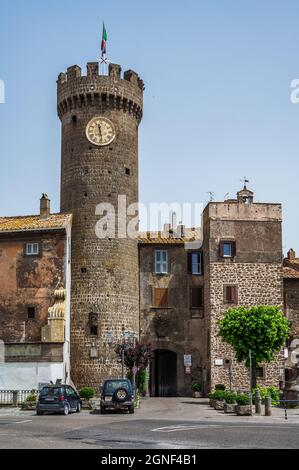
(100, 116)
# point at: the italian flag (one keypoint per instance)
(104, 41)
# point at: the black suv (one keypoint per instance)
(58, 398)
(117, 394)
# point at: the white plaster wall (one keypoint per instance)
(27, 376)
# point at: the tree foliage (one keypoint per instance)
(262, 329)
(139, 355)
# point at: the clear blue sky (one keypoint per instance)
(217, 102)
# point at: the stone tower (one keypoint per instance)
(243, 267)
(100, 117)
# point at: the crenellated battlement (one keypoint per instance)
(112, 90)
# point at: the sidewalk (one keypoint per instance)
(191, 409)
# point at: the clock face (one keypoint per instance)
(100, 131)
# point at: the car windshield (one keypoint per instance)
(113, 385)
(52, 391)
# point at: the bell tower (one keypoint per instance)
(100, 117)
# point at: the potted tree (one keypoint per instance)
(219, 397)
(197, 390)
(86, 395)
(243, 405)
(230, 405)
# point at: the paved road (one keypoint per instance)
(160, 424)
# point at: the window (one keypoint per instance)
(195, 263)
(128, 171)
(31, 313)
(230, 294)
(161, 298)
(196, 297)
(260, 372)
(93, 331)
(83, 270)
(227, 249)
(32, 249)
(161, 262)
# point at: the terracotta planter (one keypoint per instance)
(230, 408)
(243, 410)
(212, 402)
(219, 405)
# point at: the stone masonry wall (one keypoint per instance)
(105, 290)
(258, 284)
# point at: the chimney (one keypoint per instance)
(174, 222)
(167, 230)
(291, 255)
(44, 207)
(181, 231)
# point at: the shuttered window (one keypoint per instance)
(161, 298)
(230, 294)
(195, 265)
(161, 262)
(227, 249)
(196, 297)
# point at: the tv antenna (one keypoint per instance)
(212, 195)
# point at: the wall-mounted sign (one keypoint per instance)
(188, 370)
(218, 362)
(188, 360)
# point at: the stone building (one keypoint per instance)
(291, 307)
(34, 306)
(239, 262)
(243, 266)
(74, 283)
(172, 308)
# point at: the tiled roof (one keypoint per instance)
(34, 222)
(158, 238)
(290, 273)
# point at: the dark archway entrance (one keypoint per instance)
(164, 374)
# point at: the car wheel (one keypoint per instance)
(39, 413)
(66, 410)
(131, 409)
(78, 408)
(103, 410)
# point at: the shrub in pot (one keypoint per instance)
(243, 404)
(220, 387)
(211, 398)
(30, 403)
(219, 397)
(86, 394)
(196, 389)
(230, 405)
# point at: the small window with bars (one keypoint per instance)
(161, 262)
(161, 298)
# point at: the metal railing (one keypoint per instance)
(14, 397)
